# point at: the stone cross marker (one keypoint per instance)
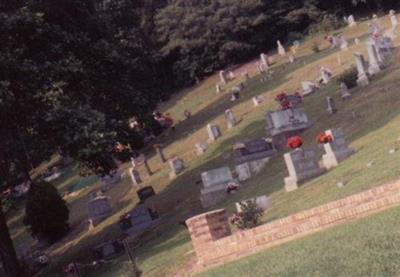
(135, 176)
(230, 119)
(302, 165)
(213, 132)
(335, 151)
(99, 209)
(362, 78)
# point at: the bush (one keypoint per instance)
(349, 77)
(249, 216)
(46, 213)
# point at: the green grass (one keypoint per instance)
(362, 248)
(372, 135)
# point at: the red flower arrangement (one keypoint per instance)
(281, 96)
(295, 142)
(285, 104)
(323, 138)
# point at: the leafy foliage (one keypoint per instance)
(249, 216)
(46, 213)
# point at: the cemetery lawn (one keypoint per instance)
(168, 251)
(362, 248)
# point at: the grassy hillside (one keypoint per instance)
(372, 135)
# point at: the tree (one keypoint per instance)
(46, 213)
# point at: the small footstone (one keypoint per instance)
(370, 164)
(392, 151)
(340, 184)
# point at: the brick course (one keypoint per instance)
(214, 243)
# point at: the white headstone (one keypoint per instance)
(335, 151)
(344, 91)
(308, 87)
(243, 171)
(351, 21)
(222, 77)
(362, 78)
(264, 60)
(302, 165)
(135, 176)
(218, 88)
(326, 75)
(230, 119)
(257, 100)
(201, 148)
(373, 67)
(177, 166)
(281, 49)
(99, 209)
(213, 132)
(331, 105)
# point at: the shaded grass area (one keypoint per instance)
(368, 247)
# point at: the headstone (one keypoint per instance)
(393, 19)
(213, 132)
(291, 58)
(351, 21)
(231, 75)
(283, 124)
(263, 202)
(177, 167)
(201, 148)
(302, 165)
(362, 78)
(138, 220)
(230, 119)
(373, 67)
(145, 193)
(253, 150)
(110, 180)
(243, 171)
(264, 61)
(135, 176)
(235, 93)
(138, 160)
(308, 87)
(331, 105)
(218, 88)
(108, 250)
(335, 151)
(326, 75)
(257, 100)
(344, 45)
(281, 49)
(356, 41)
(215, 185)
(344, 91)
(222, 77)
(99, 209)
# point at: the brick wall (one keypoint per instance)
(214, 243)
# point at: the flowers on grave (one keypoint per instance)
(281, 96)
(248, 217)
(295, 142)
(232, 187)
(285, 105)
(324, 138)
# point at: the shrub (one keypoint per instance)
(249, 216)
(46, 213)
(349, 77)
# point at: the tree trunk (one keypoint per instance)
(7, 253)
